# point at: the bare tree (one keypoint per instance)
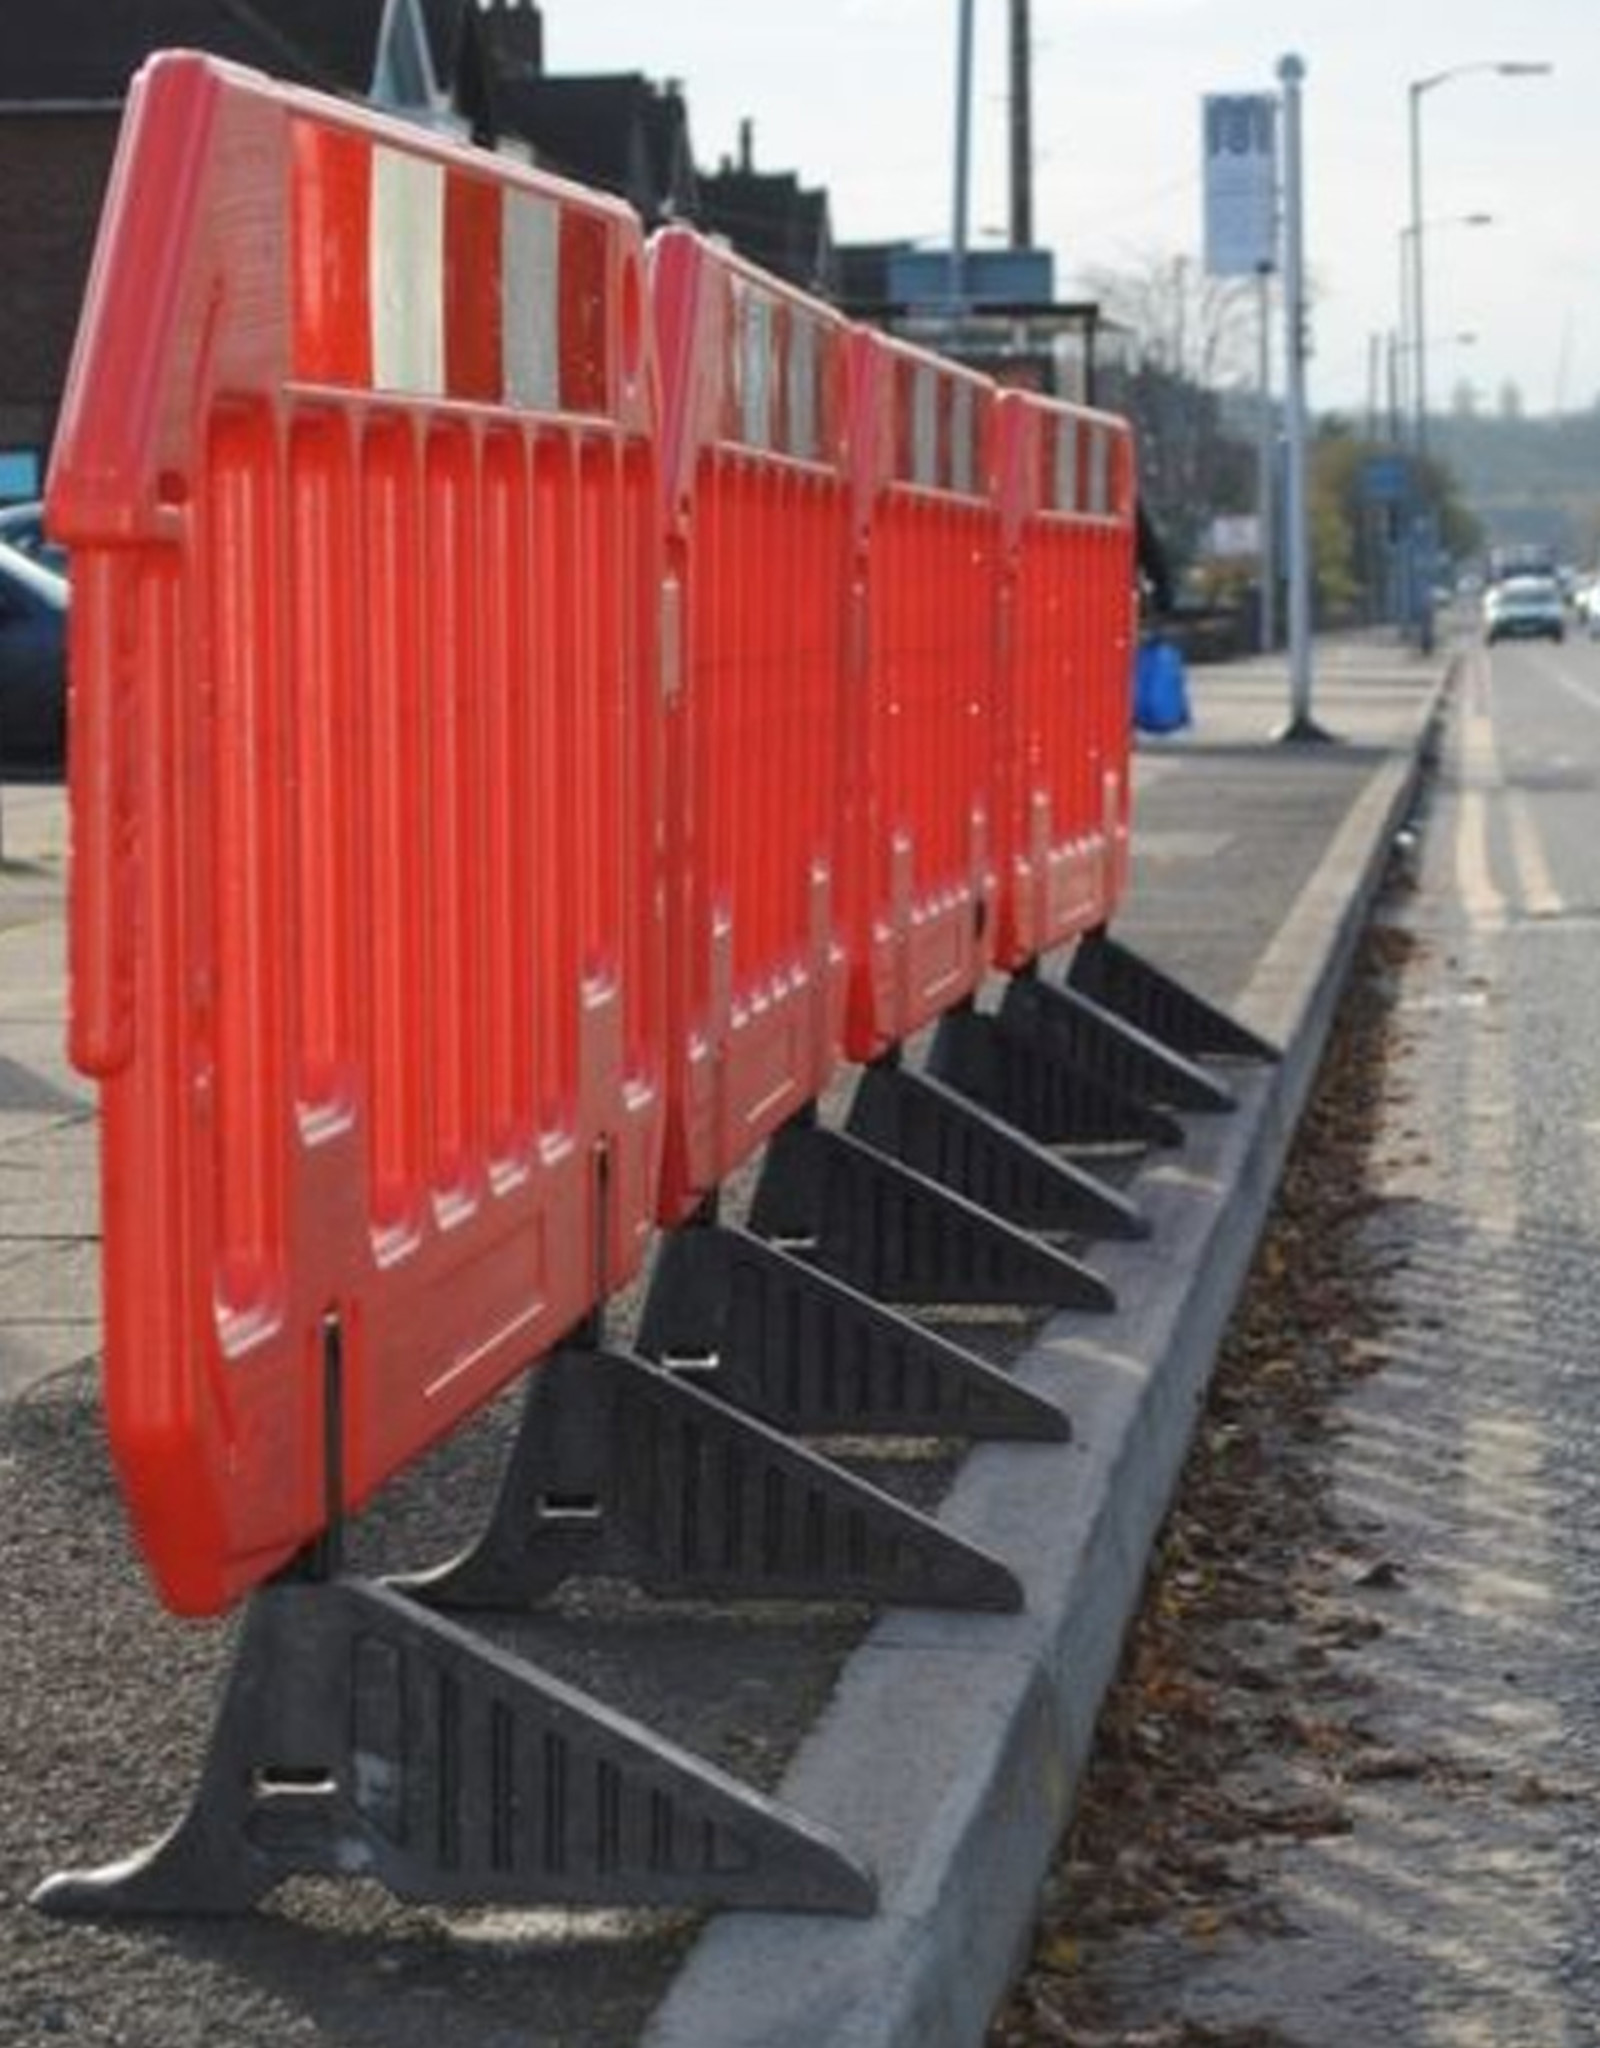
(1194, 340)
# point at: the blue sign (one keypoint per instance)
(1386, 479)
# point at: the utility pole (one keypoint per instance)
(1021, 127)
(958, 226)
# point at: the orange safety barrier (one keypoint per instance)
(1062, 785)
(758, 534)
(357, 465)
(920, 763)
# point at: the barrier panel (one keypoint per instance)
(919, 774)
(357, 468)
(1061, 830)
(757, 502)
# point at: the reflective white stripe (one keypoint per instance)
(755, 369)
(925, 426)
(1099, 472)
(530, 315)
(963, 468)
(1064, 495)
(405, 271)
(803, 354)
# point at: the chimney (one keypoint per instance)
(747, 144)
(514, 33)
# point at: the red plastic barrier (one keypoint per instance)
(758, 535)
(357, 468)
(920, 763)
(1066, 481)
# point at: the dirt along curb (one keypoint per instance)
(1233, 1723)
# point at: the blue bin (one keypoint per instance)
(1160, 688)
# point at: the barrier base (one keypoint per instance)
(622, 1469)
(768, 1333)
(1126, 983)
(896, 1234)
(360, 1735)
(926, 1124)
(1109, 1046)
(1029, 1077)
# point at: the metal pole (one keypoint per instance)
(1301, 726)
(1419, 324)
(1393, 414)
(1021, 127)
(1265, 508)
(1420, 571)
(958, 229)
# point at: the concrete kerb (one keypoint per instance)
(949, 1754)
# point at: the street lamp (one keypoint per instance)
(1408, 237)
(1419, 331)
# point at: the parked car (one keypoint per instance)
(22, 528)
(1524, 608)
(33, 665)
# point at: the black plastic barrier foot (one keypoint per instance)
(362, 1736)
(623, 1469)
(1033, 1081)
(1125, 982)
(896, 1234)
(928, 1125)
(804, 1351)
(1107, 1045)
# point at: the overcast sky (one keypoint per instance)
(859, 95)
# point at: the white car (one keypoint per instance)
(1524, 608)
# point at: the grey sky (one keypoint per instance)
(859, 95)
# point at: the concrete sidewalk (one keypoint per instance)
(942, 1749)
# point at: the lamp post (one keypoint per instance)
(1408, 235)
(1420, 550)
(1415, 92)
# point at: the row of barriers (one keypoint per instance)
(542, 705)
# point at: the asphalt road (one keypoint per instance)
(1461, 1905)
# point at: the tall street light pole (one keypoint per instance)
(1407, 257)
(1419, 325)
(1420, 548)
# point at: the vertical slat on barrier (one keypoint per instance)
(324, 654)
(638, 911)
(511, 814)
(251, 1069)
(401, 1049)
(451, 658)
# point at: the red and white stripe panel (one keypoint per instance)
(1078, 468)
(781, 375)
(430, 279)
(941, 422)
